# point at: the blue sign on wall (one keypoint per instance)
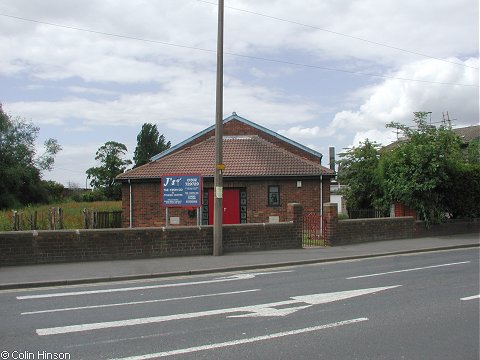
(182, 190)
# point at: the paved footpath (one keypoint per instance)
(88, 272)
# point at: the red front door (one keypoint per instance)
(231, 206)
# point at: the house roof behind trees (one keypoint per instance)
(466, 134)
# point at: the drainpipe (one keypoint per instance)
(130, 207)
(321, 194)
(321, 189)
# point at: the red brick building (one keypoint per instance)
(264, 171)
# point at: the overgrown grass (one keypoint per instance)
(72, 214)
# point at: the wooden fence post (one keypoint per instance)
(60, 218)
(89, 218)
(32, 219)
(15, 220)
(51, 219)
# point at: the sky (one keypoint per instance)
(321, 72)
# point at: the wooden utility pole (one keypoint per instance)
(218, 181)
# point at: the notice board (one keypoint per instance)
(184, 190)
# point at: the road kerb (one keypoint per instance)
(26, 285)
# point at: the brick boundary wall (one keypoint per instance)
(368, 230)
(342, 232)
(451, 227)
(42, 247)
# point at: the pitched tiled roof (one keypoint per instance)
(468, 133)
(235, 117)
(243, 156)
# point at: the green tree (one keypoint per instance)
(461, 189)
(149, 143)
(427, 171)
(20, 168)
(110, 155)
(472, 153)
(357, 169)
(416, 170)
(55, 191)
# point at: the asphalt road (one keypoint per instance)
(422, 306)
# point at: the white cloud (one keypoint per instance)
(81, 83)
(395, 100)
(78, 129)
(54, 53)
(412, 25)
(298, 132)
(90, 90)
(267, 106)
(72, 162)
(186, 103)
(383, 137)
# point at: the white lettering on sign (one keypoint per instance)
(181, 190)
(192, 182)
(171, 181)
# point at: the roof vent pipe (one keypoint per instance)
(331, 152)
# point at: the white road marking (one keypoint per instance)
(470, 297)
(265, 309)
(245, 276)
(407, 270)
(242, 276)
(316, 299)
(137, 302)
(270, 311)
(242, 341)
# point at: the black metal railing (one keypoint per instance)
(313, 230)
(366, 214)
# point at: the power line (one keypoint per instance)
(231, 54)
(106, 33)
(340, 34)
(346, 71)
